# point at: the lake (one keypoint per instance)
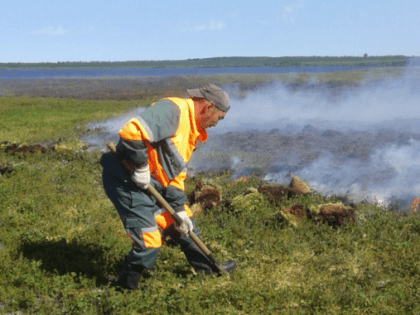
(71, 73)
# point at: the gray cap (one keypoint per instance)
(213, 94)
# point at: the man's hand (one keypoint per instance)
(141, 177)
(186, 225)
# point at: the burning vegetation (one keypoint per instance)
(207, 197)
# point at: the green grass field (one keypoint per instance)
(61, 240)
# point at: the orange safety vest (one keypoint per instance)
(178, 148)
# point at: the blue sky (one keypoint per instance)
(104, 30)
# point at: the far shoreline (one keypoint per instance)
(222, 62)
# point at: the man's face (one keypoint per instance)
(211, 117)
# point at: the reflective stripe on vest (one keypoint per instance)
(185, 137)
(168, 158)
(137, 129)
(177, 149)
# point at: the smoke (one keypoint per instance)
(390, 174)
(101, 132)
(360, 141)
(372, 104)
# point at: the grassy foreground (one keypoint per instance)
(61, 239)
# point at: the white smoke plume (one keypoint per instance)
(101, 132)
(371, 105)
(360, 141)
(391, 172)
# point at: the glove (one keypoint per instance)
(186, 225)
(141, 177)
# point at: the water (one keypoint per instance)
(72, 73)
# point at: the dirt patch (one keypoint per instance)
(276, 192)
(23, 148)
(335, 215)
(299, 212)
(14, 147)
(207, 196)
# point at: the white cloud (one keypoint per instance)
(50, 31)
(289, 11)
(211, 26)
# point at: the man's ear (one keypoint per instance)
(209, 106)
(205, 108)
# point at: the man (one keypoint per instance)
(159, 143)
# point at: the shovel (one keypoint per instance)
(163, 203)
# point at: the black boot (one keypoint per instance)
(201, 263)
(229, 266)
(129, 277)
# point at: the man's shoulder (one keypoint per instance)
(181, 102)
(164, 105)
